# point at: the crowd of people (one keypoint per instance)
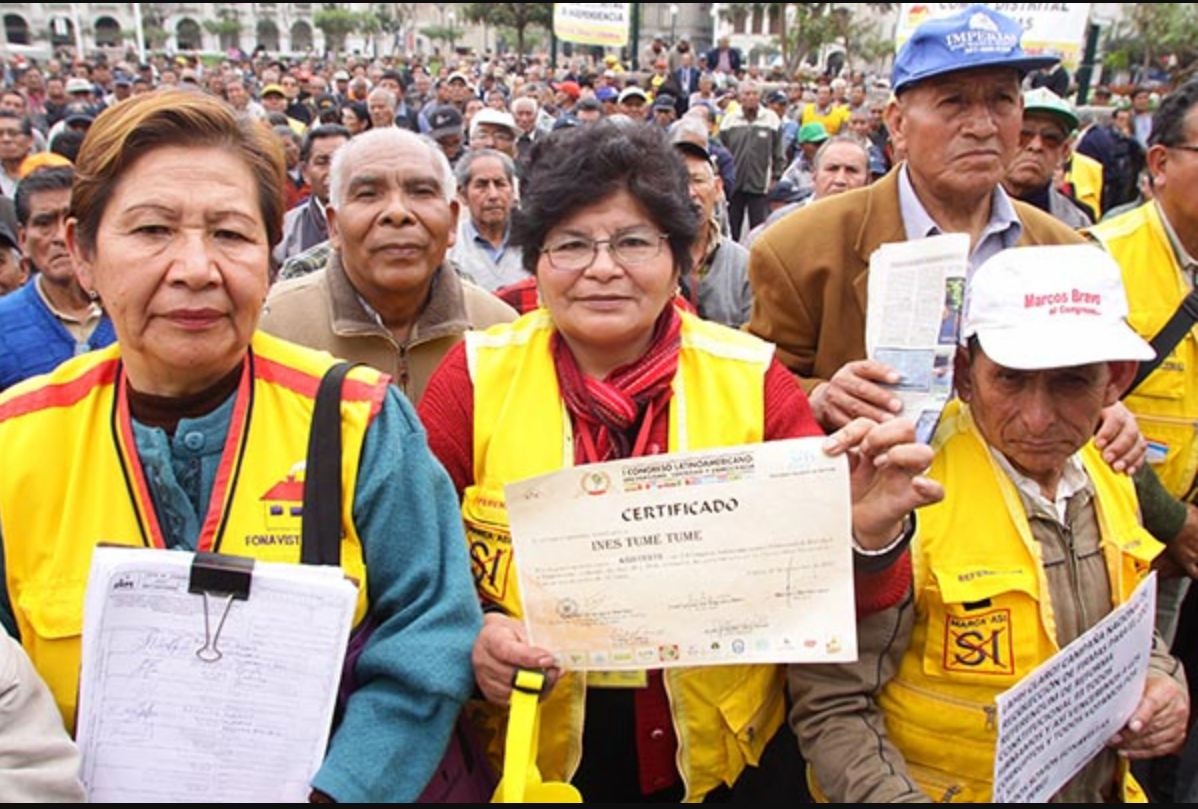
(538, 268)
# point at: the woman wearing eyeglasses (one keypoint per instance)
(609, 368)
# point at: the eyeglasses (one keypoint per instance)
(1185, 147)
(1049, 137)
(499, 136)
(629, 249)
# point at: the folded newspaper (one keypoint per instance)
(913, 322)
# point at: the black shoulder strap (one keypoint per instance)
(1169, 336)
(321, 533)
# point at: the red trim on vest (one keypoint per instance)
(222, 490)
(63, 394)
(143, 503)
(306, 385)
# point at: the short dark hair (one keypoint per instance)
(67, 143)
(319, 132)
(1168, 122)
(574, 168)
(55, 178)
(361, 112)
(26, 123)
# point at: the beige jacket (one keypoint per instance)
(323, 310)
(38, 760)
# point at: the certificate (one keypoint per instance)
(735, 555)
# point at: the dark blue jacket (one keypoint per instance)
(734, 59)
(32, 341)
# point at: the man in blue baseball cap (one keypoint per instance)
(956, 116)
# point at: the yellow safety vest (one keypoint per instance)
(1085, 174)
(1166, 403)
(836, 117)
(72, 479)
(983, 618)
(723, 715)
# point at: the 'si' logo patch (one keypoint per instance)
(979, 644)
(490, 559)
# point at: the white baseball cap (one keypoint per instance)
(630, 91)
(1051, 307)
(490, 115)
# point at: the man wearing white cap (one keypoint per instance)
(494, 129)
(1034, 542)
(631, 101)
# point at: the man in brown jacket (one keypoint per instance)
(956, 115)
(957, 118)
(387, 297)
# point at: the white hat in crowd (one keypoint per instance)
(1051, 307)
(490, 115)
(630, 91)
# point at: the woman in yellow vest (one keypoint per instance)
(191, 431)
(609, 368)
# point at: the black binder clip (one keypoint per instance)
(219, 576)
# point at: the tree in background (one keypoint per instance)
(337, 24)
(516, 16)
(227, 27)
(1154, 36)
(803, 28)
(386, 21)
(442, 33)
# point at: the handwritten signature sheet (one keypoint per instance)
(157, 723)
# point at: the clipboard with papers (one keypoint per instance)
(208, 677)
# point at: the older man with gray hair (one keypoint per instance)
(387, 297)
(380, 104)
(487, 187)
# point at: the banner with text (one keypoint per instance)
(1055, 28)
(603, 24)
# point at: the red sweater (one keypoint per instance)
(447, 410)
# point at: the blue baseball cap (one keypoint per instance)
(975, 37)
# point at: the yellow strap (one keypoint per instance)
(520, 753)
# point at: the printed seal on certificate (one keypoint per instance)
(596, 482)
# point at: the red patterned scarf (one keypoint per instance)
(616, 410)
